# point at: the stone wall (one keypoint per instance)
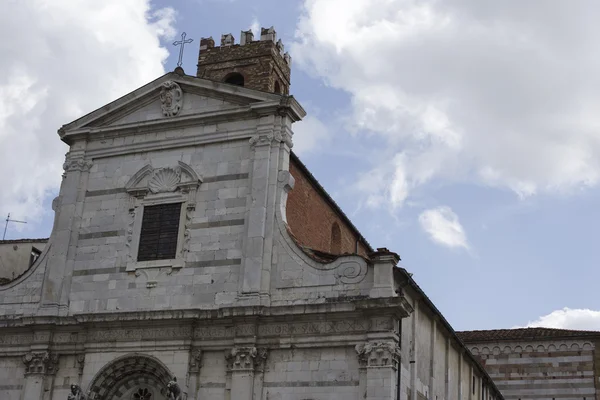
(542, 369)
(311, 217)
(434, 364)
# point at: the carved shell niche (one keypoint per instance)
(164, 180)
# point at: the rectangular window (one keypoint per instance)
(160, 229)
(473, 384)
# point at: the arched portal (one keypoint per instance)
(133, 376)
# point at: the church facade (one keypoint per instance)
(193, 256)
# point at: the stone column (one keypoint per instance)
(241, 362)
(384, 262)
(40, 367)
(380, 359)
(194, 372)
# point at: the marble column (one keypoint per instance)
(380, 360)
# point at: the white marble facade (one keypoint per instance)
(240, 312)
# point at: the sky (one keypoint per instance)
(463, 135)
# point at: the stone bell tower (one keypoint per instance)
(255, 64)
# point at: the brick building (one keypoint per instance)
(539, 363)
(190, 242)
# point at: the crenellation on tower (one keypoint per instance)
(246, 37)
(207, 43)
(227, 40)
(255, 64)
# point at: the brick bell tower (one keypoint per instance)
(255, 64)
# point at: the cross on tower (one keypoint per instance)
(181, 42)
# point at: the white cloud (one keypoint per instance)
(568, 318)
(60, 60)
(309, 135)
(255, 28)
(492, 93)
(443, 227)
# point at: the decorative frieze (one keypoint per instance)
(378, 354)
(245, 358)
(45, 363)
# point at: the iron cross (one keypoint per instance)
(181, 42)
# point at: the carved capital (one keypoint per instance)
(378, 354)
(78, 164)
(246, 358)
(195, 360)
(43, 363)
(171, 98)
(262, 139)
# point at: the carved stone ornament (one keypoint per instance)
(195, 360)
(40, 363)
(173, 390)
(245, 358)
(164, 180)
(378, 354)
(76, 393)
(171, 98)
(261, 140)
(78, 164)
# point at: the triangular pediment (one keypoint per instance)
(170, 97)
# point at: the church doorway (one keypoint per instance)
(131, 377)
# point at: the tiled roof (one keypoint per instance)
(17, 241)
(522, 334)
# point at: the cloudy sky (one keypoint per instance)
(462, 134)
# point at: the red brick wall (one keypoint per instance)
(310, 217)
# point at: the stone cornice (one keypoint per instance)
(397, 306)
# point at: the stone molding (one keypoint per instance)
(244, 359)
(43, 363)
(378, 354)
(171, 98)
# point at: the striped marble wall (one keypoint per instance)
(541, 370)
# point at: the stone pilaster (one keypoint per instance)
(40, 368)
(194, 367)
(384, 262)
(242, 363)
(380, 359)
(69, 209)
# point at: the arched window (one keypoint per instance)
(234, 78)
(336, 239)
(277, 87)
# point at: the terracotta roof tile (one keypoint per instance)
(522, 334)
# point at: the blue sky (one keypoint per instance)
(462, 136)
